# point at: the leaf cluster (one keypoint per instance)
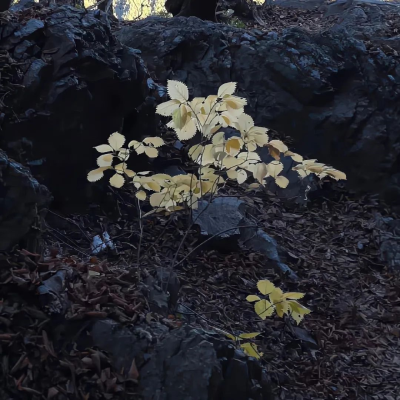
(279, 302)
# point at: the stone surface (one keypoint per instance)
(22, 203)
(80, 86)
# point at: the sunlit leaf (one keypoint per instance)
(279, 145)
(151, 152)
(241, 176)
(293, 295)
(265, 287)
(282, 181)
(116, 140)
(188, 131)
(195, 152)
(264, 308)
(104, 148)
(97, 174)
(233, 145)
(274, 168)
(252, 297)
(260, 172)
(296, 157)
(117, 181)
(251, 350)
(178, 91)
(166, 109)
(155, 141)
(141, 195)
(297, 311)
(227, 88)
(105, 160)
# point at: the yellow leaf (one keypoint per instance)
(234, 102)
(227, 119)
(116, 140)
(281, 305)
(245, 122)
(195, 152)
(260, 172)
(104, 148)
(274, 152)
(249, 335)
(166, 109)
(265, 287)
(274, 168)
(155, 141)
(297, 311)
(334, 173)
(279, 145)
(188, 131)
(263, 308)
(178, 91)
(293, 295)
(157, 198)
(232, 173)
(241, 176)
(252, 297)
(233, 145)
(296, 157)
(227, 88)
(141, 195)
(130, 173)
(96, 174)
(151, 152)
(208, 155)
(218, 138)
(150, 184)
(117, 181)
(231, 162)
(234, 338)
(124, 154)
(137, 146)
(105, 160)
(209, 129)
(282, 181)
(251, 350)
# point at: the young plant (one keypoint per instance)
(249, 348)
(215, 155)
(282, 303)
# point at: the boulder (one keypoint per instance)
(338, 100)
(79, 85)
(22, 204)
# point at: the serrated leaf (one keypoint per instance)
(297, 311)
(96, 174)
(227, 88)
(155, 141)
(279, 145)
(274, 168)
(116, 140)
(293, 295)
(233, 145)
(251, 350)
(260, 172)
(166, 109)
(245, 122)
(117, 181)
(195, 152)
(188, 131)
(105, 160)
(151, 152)
(282, 181)
(178, 91)
(104, 148)
(141, 195)
(265, 287)
(264, 308)
(252, 297)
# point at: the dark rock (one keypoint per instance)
(124, 344)
(185, 366)
(83, 85)
(336, 99)
(22, 204)
(230, 221)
